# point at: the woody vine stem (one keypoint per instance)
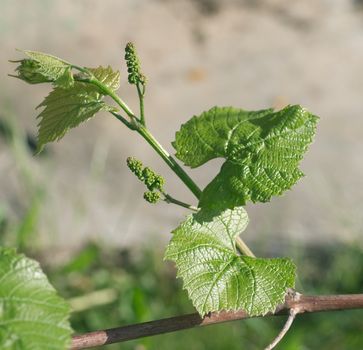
(295, 304)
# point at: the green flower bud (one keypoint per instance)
(28, 71)
(133, 65)
(158, 183)
(152, 197)
(136, 167)
(149, 178)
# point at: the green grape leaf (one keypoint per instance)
(262, 151)
(67, 108)
(28, 70)
(32, 315)
(216, 277)
(107, 76)
(51, 68)
(66, 80)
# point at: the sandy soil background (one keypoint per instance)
(196, 54)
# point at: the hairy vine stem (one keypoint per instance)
(299, 303)
(138, 125)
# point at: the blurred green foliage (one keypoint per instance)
(136, 286)
(144, 288)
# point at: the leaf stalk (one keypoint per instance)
(170, 199)
(243, 248)
(141, 94)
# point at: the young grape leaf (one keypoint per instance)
(107, 76)
(49, 67)
(28, 70)
(71, 102)
(32, 315)
(262, 151)
(67, 108)
(216, 277)
(66, 80)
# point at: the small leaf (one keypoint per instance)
(28, 70)
(49, 66)
(216, 277)
(66, 80)
(262, 151)
(107, 76)
(65, 109)
(32, 315)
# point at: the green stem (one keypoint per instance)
(141, 99)
(109, 92)
(169, 160)
(170, 199)
(82, 69)
(123, 120)
(136, 125)
(114, 96)
(139, 126)
(243, 248)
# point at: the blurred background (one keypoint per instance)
(78, 210)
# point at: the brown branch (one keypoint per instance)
(300, 304)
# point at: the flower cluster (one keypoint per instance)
(133, 65)
(152, 196)
(154, 182)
